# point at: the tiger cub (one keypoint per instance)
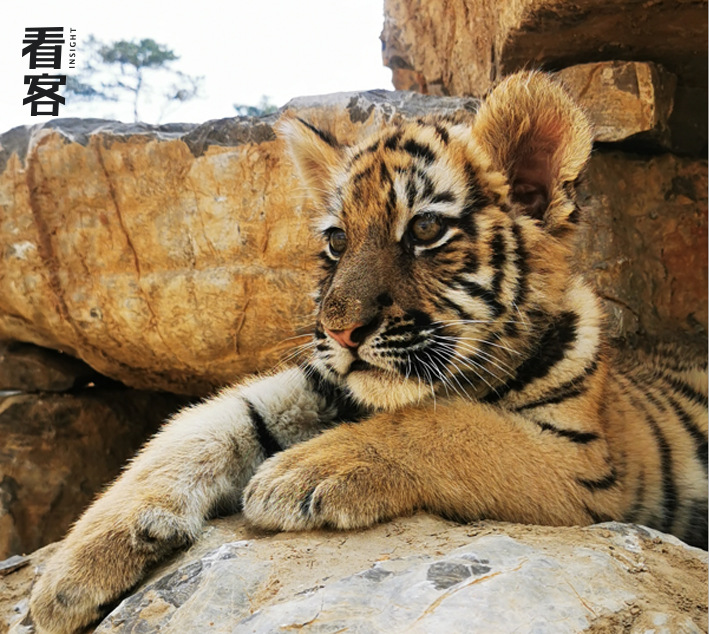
(458, 365)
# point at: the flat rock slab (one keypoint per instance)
(419, 575)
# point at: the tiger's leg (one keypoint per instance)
(199, 461)
(465, 460)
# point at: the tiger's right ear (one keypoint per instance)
(315, 154)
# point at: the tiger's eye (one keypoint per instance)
(338, 242)
(426, 228)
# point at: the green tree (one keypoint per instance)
(264, 107)
(122, 70)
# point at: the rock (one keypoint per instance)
(167, 257)
(463, 47)
(59, 450)
(180, 258)
(688, 122)
(29, 368)
(643, 242)
(624, 99)
(418, 574)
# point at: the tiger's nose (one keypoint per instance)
(354, 335)
(344, 337)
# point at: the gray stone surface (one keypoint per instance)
(497, 583)
(413, 575)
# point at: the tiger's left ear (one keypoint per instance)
(540, 139)
(315, 154)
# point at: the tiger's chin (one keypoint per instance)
(382, 389)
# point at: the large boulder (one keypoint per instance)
(168, 257)
(181, 257)
(412, 575)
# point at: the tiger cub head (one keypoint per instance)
(445, 243)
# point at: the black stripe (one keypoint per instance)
(579, 437)
(473, 289)
(475, 196)
(551, 349)
(365, 173)
(384, 174)
(443, 302)
(443, 197)
(669, 488)
(419, 150)
(570, 389)
(393, 141)
(696, 533)
(442, 132)
(522, 263)
(634, 513)
(411, 191)
(559, 396)
(606, 482)
(472, 263)
(700, 440)
(347, 409)
(266, 439)
(684, 388)
(499, 253)
(597, 517)
(325, 136)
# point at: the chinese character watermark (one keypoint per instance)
(43, 47)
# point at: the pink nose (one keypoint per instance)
(344, 337)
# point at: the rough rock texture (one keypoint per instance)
(170, 257)
(33, 369)
(624, 99)
(58, 450)
(180, 257)
(412, 575)
(643, 241)
(463, 46)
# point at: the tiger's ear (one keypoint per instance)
(540, 139)
(315, 154)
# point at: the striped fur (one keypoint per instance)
(458, 365)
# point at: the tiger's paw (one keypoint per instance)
(321, 483)
(97, 563)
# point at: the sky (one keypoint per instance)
(244, 49)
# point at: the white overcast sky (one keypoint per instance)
(243, 48)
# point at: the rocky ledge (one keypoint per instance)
(413, 575)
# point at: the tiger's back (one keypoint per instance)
(665, 391)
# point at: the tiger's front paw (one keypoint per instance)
(98, 562)
(324, 482)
